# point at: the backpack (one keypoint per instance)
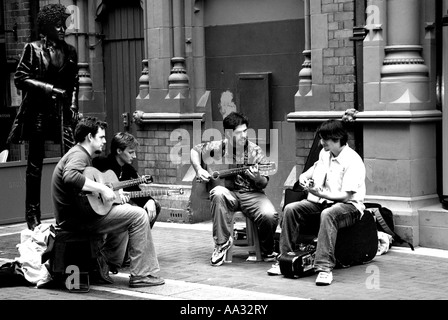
(385, 221)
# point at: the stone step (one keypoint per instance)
(433, 227)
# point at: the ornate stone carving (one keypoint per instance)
(144, 81)
(85, 82)
(178, 81)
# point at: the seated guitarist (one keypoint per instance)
(122, 153)
(67, 184)
(245, 193)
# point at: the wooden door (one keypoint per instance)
(123, 55)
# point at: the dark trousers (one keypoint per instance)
(36, 153)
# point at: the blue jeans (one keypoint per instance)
(125, 222)
(254, 205)
(316, 216)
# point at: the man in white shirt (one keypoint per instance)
(336, 191)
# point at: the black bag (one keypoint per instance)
(385, 221)
(292, 195)
(11, 275)
(358, 243)
(297, 193)
(298, 263)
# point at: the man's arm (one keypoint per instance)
(337, 196)
(93, 186)
(195, 159)
(257, 157)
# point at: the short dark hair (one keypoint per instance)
(88, 125)
(235, 119)
(51, 15)
(333, 130)
(123, 140)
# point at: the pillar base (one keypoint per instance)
(406, 213)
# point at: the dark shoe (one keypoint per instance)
(32, 220)
(113, 269)
(102, 273)
(148, 281)
(126, 263)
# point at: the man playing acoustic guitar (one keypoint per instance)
(243, 191)
(122, 153)
(69, 184)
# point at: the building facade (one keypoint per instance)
(168, 71)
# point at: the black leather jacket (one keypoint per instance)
(38, 79)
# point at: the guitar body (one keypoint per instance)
(228, 182)
(224, 174)
(93, 201)
(96, 202)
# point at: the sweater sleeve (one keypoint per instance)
(73, 169)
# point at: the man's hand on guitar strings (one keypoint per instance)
(203, 175)
(253, 173)
(124, 196)
(108, 194)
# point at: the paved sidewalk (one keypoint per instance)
(184, 251)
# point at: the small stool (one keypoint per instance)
(250, 244)
(74, 249)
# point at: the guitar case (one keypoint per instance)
(299, 263)
(357, 244)
(297, 193)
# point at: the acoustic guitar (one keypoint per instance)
(93, 201)
(221, 174)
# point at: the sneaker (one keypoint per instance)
(275, 270)
(148, 281)
(324, 278)
(270, 257)
(219, 253)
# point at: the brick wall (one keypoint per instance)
(18, 12)
(154, 152)
(338, 59)
(338, 71)
(305, 136)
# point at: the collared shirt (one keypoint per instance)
(219, 153)
(344, 173)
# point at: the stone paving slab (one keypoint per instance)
(184, 251)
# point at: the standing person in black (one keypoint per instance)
(122, 153)
(47, 73)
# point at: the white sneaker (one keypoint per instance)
(275, 270)
(324, 278)
(219, 253)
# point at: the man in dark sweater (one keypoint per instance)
(123, 223)
(122, 153)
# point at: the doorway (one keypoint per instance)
(123, 49)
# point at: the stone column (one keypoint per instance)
(404, 68)
(399, 114)
(445, 108)
(305, 74)
(313, 93)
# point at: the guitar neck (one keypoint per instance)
(147, 193)
(128, 183)
(231, 172)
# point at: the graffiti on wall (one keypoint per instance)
(226, 104)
